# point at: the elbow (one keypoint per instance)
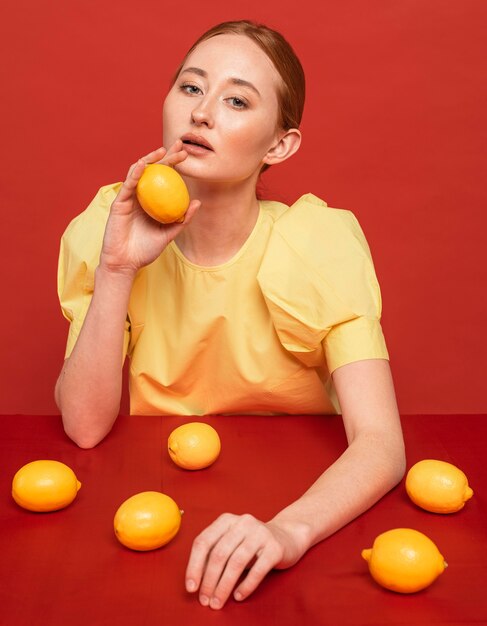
(390, 459)
(399, 469)
(84, 426)
(83, 439)
(397, 464)
(86, 443)
(84, 432)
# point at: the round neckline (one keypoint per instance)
(213, 268)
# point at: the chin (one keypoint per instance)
(195, 170)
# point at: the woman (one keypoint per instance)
(247, 306)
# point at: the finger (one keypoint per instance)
(194, 206)
(172, 230)
(265, 562)
(155, 155)
(177, 146)
(127, 190)
(218, 562)
(175, 154)
(135, 172)
(174, 158)
(201, 548)
(241, 556)
(152, 157)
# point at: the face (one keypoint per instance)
(224, 106)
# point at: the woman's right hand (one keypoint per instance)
(132, 238)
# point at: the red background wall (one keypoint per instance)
(394, 130)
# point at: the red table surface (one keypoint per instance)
(67, 568)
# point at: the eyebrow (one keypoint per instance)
(234, 81)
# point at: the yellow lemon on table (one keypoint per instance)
(404, 560)
(438, 486)
(162, 193)
(147, 520)
(194, 446)
(45, 486)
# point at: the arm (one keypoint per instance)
(372, 464)
(89, 387)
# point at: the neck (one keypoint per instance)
(223, 223)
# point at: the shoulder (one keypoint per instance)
(85, 232)
(316, 253)
(316, 274)
(273, 209)
(309, 207)
(310, 222)
(82, 240)
(96, 214)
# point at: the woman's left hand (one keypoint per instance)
(231, 544)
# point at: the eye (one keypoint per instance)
(238, 103)
(190, 89)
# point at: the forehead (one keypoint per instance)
(234, 56)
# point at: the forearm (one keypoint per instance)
(89, 387)
(367, 470)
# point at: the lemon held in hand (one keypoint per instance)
(404, 560)
(194, 446)
(147, 521)
(438, 486)
(45, 486)
(162, 193)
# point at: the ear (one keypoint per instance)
(287, 145)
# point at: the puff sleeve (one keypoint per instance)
(79, 256)
(319, 284)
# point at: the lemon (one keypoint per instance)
(438, 486)
(404, 560)
(194, 445)
(147, 520)
(45, 486)
(162, 193)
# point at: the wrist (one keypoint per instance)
(121, 276)
(299, 531)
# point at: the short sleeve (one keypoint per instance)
(320, 286)
(79, 256)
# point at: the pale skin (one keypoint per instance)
(209, 99)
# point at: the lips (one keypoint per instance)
(196, 140)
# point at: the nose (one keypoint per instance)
(202, 114)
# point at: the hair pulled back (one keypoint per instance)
(291, 92)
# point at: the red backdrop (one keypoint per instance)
(393, 130)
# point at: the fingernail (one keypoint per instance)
(190, 585)
(215, 603)
(238, 596)
(204, 600)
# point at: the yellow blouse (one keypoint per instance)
(260, 333)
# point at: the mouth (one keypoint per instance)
(196, 140)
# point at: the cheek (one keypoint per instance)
(169, 115)
(168, 105)
(165, 124)
(249, 136)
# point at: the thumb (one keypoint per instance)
(173, 230)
